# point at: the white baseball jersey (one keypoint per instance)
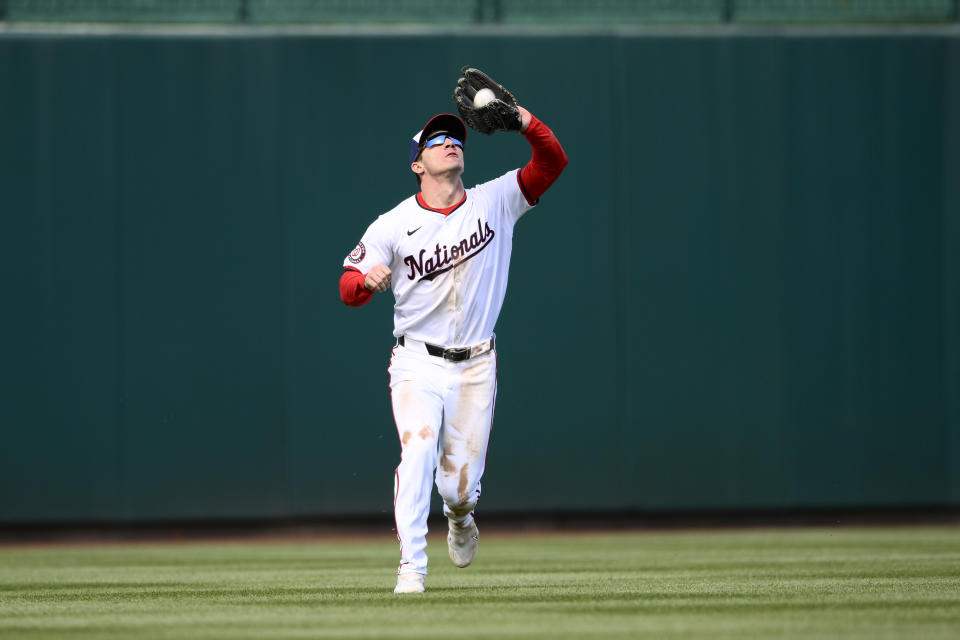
(449, 272)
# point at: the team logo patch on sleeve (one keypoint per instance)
(358, 254)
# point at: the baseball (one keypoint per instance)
(483, 97)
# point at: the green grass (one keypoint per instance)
(792, 583)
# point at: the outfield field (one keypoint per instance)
(896, 582)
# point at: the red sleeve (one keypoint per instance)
(546, 164)
(352, 291)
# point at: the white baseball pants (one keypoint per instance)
(444, 414)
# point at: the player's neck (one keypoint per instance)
(440, 194)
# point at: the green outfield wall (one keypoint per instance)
(743, 293)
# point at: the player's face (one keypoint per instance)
(442, 154)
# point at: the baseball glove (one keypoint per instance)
(500, 114)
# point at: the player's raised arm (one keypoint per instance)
(488, 107)
(548, 159)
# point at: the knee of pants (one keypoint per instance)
(459, 496)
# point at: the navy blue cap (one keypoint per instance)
(442, 122)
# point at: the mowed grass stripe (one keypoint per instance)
(787, 583)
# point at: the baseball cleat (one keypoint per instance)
(409, 583)
(462, 543)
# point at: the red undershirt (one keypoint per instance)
(535, 178)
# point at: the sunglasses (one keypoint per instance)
(440, 139)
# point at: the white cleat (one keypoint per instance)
(462, 543)
(409, 583)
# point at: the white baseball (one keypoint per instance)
(483, 97)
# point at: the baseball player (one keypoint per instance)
(445, 252)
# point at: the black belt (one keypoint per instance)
(453, 355)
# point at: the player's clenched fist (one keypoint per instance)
(378, 278)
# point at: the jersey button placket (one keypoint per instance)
(458, 320)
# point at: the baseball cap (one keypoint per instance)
(441, 122)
